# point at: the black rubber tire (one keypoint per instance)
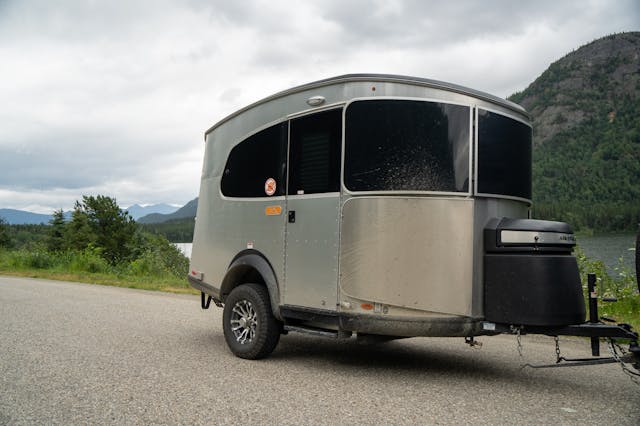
(267, 329)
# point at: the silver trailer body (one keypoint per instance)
(404, 262)
(383, 206)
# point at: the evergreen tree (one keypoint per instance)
(78, 234)
(5, 239)
(112, 228)
(56, 235)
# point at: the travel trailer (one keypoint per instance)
(380, 206)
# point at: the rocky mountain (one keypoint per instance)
(188, 211)
(585, 110)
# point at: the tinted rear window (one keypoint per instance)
(254, 161)
(405, 145)
(504, 155)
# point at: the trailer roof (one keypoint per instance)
(383, 78)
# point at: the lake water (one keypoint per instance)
(185, 248)
(609, 248)
(606, 247)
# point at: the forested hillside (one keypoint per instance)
(188, 211)
(586, 117)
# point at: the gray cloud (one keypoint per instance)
(426, 23)
(113, 97)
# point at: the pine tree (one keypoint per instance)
(56, 235)
(112, 228)
(78, 234)
(5, 239)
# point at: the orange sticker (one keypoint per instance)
(270, 186)
(272, 210)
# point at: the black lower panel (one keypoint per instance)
(532, 289)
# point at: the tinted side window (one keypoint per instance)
(254, 161)
(504, 155)
(315, 150)
(405, 145)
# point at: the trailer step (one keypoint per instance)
(313, 331)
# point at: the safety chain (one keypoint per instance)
(516, 330)
(614, 348)
(558, 357)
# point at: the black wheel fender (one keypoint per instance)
(251, 266)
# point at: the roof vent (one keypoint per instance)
(316, 100)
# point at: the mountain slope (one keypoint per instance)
(586, 116)
(137, 211)
(20, 217)
(188, 211)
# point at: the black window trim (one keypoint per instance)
(241, 140)
(475, 154)
(307, 113)
(456, 194)
(287, 119)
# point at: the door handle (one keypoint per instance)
(292, 216)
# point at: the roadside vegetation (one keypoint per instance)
(175, 230)
(619, 284)
(100, 244)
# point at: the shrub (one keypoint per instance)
(88, 260)
(36, 258)
(621, 284)
(155, 255)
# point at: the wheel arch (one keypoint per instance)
(251, 266)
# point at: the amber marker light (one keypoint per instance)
(272, 210)
(367, 306)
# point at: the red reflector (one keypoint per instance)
(367, 306)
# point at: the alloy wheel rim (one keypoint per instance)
(244, 321)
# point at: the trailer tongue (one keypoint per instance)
(532, 286)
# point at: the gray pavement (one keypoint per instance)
(78, 353)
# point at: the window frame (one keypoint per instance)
(245, 138)
(476, 150)
(467, 194)
(307, 113)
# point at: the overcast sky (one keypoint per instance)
(112, 97)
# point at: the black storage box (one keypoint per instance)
(530, 276)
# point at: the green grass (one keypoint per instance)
(143, 283)
(88, 267)
(626, 310)
(149, 272)
(620, 284)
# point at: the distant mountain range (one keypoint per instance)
(21, 217)
(137, 211)
(156, 212)
(188, 211)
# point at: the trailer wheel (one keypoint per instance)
(250, 329)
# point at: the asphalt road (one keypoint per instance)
(77, 353)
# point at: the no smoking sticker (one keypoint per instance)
(270, 186)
